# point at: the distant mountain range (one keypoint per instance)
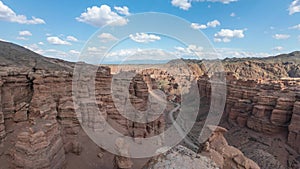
(280, 66)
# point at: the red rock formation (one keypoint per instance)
(224, 155)
(40, 147)
(294, 128)
(266, 106)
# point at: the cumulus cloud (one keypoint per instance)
(57, 41)
(144, 37)
(107, 37)
(191, 50)
(294, 7)
(95, 51)
(25, 33)
(198, 26)
(100, 16)
(295, 27)
(225, 35)
(122, 10)
(182, 4)
(278, 48)
(187, 4)
(281, 36)
(72, 39)
(7, 14)
(74, 52)
(211, 24)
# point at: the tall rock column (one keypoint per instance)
(294, 128)
(2, 126)
(41, 147)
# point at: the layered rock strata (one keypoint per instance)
(40, 147)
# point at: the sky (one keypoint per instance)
(234, 28)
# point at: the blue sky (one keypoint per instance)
(235, 28)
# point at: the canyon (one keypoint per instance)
(41, 123)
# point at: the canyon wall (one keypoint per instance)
(40, 101)
(265, 106)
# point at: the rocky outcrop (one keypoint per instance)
(2, 127)
(180, 157)
(294, 128)
(224, 155)
(263, 159)
(121, 160)
(40, 147)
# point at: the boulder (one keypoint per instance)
(181, 157)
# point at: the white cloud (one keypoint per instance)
(25, 33)
(7, 14)
(295, 27)
(238, 53)
(232, 14)
(191, 50)
(35, 48)
(100, 16)
(211, 24)
(294, 7)
(57, 41)
(22, 38)
(198, 26)
(41, 43)
(278, 48)
(140, 54)
(55, 53)
(95, 51)
(182, 4)
(281, 36)
(222, 1)
(107, 37)
(144, 37)
(187, 4)
(74, 52)
(122, 10)
(72, 39)
(225, 35)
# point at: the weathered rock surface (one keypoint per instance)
(224, 155)
(263, 159)
(180, 158)
(294, 128)
(40, 147)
